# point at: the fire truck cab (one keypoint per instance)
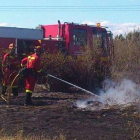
(71, 37)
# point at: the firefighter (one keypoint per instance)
(10, 68)
(32, 64)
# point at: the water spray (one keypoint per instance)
(89, 92)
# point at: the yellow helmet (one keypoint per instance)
(11, 46)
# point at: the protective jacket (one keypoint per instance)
(10, 68)
(32, 63)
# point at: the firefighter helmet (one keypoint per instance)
(11, 46)
(39, 41)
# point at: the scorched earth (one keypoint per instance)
(57, 113)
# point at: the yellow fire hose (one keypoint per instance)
(14, 80)
(8, 97)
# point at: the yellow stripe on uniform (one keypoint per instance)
(39, 70)
(4, 85)
(29, 91)
(30, 57)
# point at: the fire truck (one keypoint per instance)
(68, 38)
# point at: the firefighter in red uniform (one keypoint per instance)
(33, 68)
(10, 68)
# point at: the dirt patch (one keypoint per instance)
(56, 113)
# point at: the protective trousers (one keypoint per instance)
(9, 78)
(30, 83)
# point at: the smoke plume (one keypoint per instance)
(113, 93)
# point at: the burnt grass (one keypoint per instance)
(55, 114)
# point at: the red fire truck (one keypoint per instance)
(67, 37)
(70, 37)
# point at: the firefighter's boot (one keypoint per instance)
(28, 101)
(15, 92)
(3, 90)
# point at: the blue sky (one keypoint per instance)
(120, 16)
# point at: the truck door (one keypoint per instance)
(79, 39)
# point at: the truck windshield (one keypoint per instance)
(80, 37)
(99, 38)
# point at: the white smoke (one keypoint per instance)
(123, 92)
(115, 93)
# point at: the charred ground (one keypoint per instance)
(54, 113)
